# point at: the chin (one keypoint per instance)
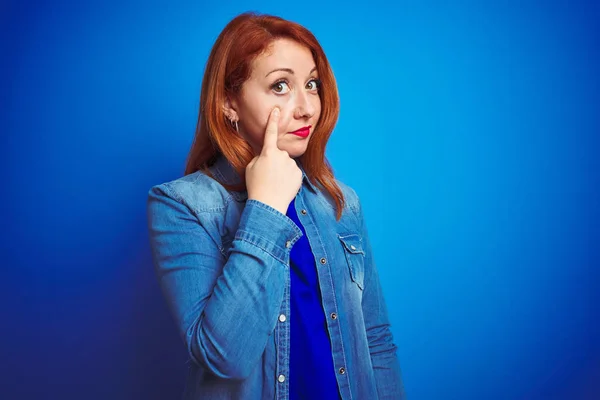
(295, 151)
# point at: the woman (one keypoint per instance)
(262, 255)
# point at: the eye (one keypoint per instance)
(313, 84)
(280, 87)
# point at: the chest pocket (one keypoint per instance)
(355, 256)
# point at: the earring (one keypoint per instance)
(234, 123)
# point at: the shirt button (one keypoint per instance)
(281, 378)
(303, 212)
(282, 318)
(352, 247)
(288, 244)
(323, 260)
(342, 370)
(333, 315)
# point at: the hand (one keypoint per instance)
(273, 177)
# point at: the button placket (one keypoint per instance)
(326, 276)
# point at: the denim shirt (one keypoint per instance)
(312, 371)
(222, 261)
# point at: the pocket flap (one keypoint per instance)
(352, 243)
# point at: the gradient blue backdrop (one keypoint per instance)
(475, 124)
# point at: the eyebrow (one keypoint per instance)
(289, 70)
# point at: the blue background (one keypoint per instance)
(470, 132)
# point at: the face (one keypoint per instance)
(284, 76)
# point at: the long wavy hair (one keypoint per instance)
(229, 65)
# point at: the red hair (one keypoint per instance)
(229, 65)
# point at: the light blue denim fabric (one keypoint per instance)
(222, 262)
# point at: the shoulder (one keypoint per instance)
(350, 196)
(197, 191)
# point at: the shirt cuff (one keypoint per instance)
(268, 229)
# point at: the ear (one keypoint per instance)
(229, 109)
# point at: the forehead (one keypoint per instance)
(284, 53)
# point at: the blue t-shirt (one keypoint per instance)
(312, 373)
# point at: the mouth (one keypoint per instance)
(302, 132)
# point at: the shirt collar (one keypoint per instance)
(225, 172)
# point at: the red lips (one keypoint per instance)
(302, 132)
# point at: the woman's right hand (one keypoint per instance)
(273, 177)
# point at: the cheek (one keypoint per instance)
(256, 115)
(317, 107)
(287, 106)
(259, 108)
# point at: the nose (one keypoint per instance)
(304, 109)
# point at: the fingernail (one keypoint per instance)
(276, 112)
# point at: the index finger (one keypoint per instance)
(271, 132)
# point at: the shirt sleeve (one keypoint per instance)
(225, 308)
